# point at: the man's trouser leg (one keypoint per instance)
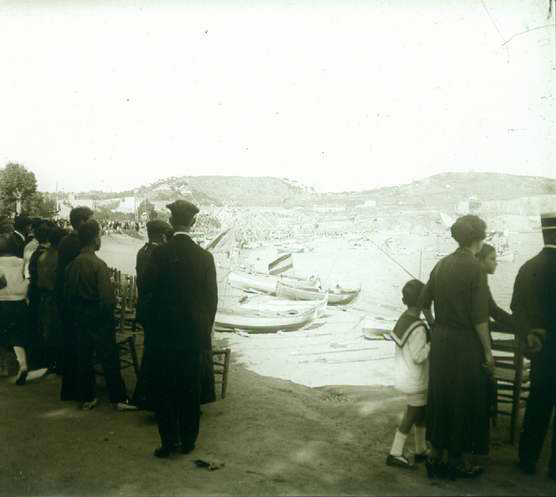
(85, 372)
(189, 400)
(69, 363)
(108, 355)
(537, 415)
(167, 419)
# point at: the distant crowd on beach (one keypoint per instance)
(57, 305)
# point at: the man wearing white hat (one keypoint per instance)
(534, 309)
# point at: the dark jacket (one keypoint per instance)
(144, 298)
(182, 279)
(533, 300)
(68, 250)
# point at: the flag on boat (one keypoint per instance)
(280, 265)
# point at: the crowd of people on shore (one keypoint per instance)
(57, 306)
(444, 362)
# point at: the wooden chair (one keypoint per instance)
(512, 378)
(221, 361)
(127, 353)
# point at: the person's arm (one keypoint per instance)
(105, 288)
(479, 314)
(418, 345)
(152, 270)
(212, 288)
(525, 306)
(426, 298)
(501, 318)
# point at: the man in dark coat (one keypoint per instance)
(89, 295)
(182, 278)
(157, 231)
(68, 250)
(534, 310)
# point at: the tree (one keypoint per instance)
(17, 185)
(40, 205)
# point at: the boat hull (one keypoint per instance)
(262, 322)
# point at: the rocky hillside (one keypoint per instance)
(439, 192)
(443, 191)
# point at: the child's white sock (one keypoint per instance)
(21, 357)
(398, 444)
(420, 443)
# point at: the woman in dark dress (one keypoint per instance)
(461, 361)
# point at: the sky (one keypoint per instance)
(340, 95)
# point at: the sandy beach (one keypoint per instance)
(309, 412)
(332, 350)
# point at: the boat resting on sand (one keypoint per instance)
(268, 303)
(341, 295)
(336, 296)
(267, 283)
(254, 321)
(377, 329)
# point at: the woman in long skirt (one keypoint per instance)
(461, 361)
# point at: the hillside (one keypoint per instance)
(443, 191)
(438, 192)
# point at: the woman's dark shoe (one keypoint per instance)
(164, 452)
(436, 469)
(419, 458)
(22, 377)
(186, 449)
(469, 472)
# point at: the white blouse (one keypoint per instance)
(12, 268)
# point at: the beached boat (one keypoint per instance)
(229, 319)
(266, 283)
(376, 329)
(268, 303)
(336, 296)
(341, 295)
(299, 292)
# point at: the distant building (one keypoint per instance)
(366, 204)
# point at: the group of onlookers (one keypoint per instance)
(445, 365)
(28, 314)
(57, 304)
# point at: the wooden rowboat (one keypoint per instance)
(268, 303)
(266, 283)
(336, 296)
(291, 292)
(230, 319)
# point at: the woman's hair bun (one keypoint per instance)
(468, 229)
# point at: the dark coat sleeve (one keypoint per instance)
(211, 288)
(526, 303)
(503, 321)
(479, 296)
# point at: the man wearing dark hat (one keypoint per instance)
(68, 249)
(534, 310)
(182, 278)
(157, 232)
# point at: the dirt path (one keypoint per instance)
(274, 436)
